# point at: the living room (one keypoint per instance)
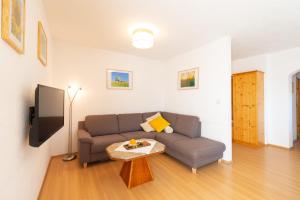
(82, 44)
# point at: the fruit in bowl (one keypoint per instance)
(132, 142)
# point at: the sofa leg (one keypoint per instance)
(219, 161)
(85, 165)
(194, 170)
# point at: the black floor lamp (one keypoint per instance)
(70, 155)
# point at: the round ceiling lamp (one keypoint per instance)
(142, 38)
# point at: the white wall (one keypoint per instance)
(22, 167)
(86, 67)
(279, 70)
(250, 64)
(283, 65)
(212, 101)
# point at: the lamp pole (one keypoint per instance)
(70, 156)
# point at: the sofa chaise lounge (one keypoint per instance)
(185, 144)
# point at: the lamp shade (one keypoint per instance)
(142, 39)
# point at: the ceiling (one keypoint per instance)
(256, 26)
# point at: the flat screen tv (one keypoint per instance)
(47, 116)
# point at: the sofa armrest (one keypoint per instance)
(199, 129)
(84, 136)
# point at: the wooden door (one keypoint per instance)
(245, 113)
(252, 95)
(249, 111)
(260, 108)
(237, 94)
(241, 112)
(244, 108)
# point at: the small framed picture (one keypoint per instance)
(42, 45)
(188, 79)
(119, 79)
(13, 23)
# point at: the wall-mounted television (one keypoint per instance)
(47, 116)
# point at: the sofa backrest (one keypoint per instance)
(170, 117)
(98, 125)
(102, 124)
(188, 125)
(130, 122)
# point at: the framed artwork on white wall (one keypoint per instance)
(119, 79)
(188, 79)
(42, 44)
(13, 24)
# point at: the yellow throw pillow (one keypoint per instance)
(159, 124)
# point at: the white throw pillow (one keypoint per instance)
(153, 117)
(168, 129)
(147, 127)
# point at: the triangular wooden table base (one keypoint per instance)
(136, 172)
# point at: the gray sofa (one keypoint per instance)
(185, 144)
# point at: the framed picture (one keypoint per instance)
(13, 23)
(188, 79)
(42, 44)
(119, 79)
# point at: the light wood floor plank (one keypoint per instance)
(256, 173)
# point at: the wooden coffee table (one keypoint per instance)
(135, 170)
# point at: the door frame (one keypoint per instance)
(298, 106)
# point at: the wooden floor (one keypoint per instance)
(264, 173)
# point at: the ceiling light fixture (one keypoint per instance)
(142, 38)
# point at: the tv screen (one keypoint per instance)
(48, 114)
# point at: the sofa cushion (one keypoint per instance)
(102, 124)
(138, 135)
(198, 148)
(187, 125)
(169, 139)
(101, 142)
(148, 114)
(130, 122)
(170, 117)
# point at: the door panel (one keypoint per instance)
(244, 108)
(238, 108)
